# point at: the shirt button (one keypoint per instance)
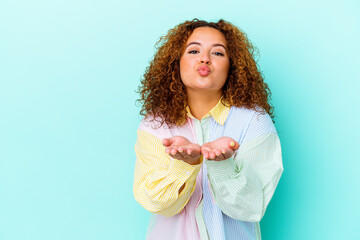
(187, 173)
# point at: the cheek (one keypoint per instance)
(226, 67)
(185, 67)
(185, 63)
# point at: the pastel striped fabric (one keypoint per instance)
(221, 199)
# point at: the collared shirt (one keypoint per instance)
(221, 199)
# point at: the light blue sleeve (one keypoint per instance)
(244, 184)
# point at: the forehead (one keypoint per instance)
(207, 35)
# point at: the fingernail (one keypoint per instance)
(232, 144)
(218, 154)
(223, 151)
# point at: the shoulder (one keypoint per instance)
(246, 114)
(155, 126)
(258, 121)
(242, 111)
(258, 112)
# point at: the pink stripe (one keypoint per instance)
(183, 225)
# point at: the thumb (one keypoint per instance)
(234, 145)
(167, 142)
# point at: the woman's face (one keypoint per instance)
(204, 65)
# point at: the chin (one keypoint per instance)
(203, 88)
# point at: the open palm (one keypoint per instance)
(220, 149)
(181, 148)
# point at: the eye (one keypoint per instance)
(193, 51)
(219, 54)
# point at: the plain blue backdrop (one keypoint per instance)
(68, 120)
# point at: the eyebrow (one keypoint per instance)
(214, 45)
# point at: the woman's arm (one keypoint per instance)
(244, 184)
(158, 178)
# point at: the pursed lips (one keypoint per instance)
(204, 70)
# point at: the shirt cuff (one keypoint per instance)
(184, 170)
(221, 169)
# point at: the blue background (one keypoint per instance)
(68, 75)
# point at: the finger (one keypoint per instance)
(193, 149)
(223, 152)
(180, 150)
(219, 155)
(234, 145)
(189, 151)
(177, 156)
(168, 150)
(173, 151)
(205, 148)
(167, 142)
(229, 152)
(237, 145)
(212, 155)
(205, 153)
(223, 156)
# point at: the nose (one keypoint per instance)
(204, 58)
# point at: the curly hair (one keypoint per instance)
(163, 93)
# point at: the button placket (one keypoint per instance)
(199, 136)
(204, 129)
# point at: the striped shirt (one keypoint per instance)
(221, 199)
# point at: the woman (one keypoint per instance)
(208, 154)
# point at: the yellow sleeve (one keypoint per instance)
(158, 177)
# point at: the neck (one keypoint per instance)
(200, 103)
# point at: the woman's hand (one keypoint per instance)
(182, 149)
(220, 149)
